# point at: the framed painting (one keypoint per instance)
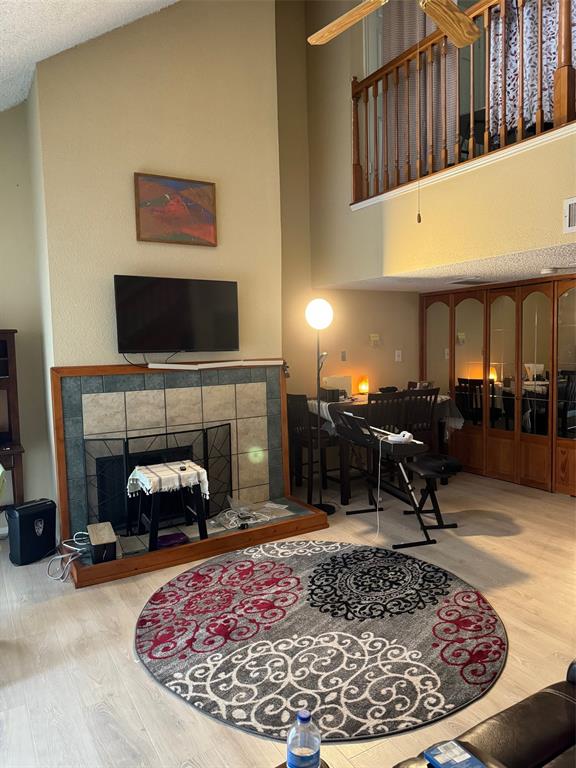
(171, 210)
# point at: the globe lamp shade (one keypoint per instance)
(319, 314)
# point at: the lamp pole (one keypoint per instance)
(319, 315)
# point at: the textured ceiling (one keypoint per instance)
(32, 30)
(499, 269)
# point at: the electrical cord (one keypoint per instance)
(59, 566)
(136, 365)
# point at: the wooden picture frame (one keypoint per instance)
(174, 210)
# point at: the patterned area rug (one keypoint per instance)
(370, 640)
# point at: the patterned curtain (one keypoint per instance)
(549, 59)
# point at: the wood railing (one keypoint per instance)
(436, 106)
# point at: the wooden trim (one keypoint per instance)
(60, 452)
(284, 432)
(88, 575)
(513, 284)
(553, 386)
(559, 443)
(114, 370)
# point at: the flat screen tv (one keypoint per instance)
(161, 314)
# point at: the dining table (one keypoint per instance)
(446, 417)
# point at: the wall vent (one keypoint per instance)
(569, 215)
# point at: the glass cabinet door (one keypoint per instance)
(438, 345)
(469, 359)
(502, 370)
(536, 362)
(566, 382)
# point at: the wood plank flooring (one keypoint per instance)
(73, 695)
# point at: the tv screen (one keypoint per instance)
(160, 314)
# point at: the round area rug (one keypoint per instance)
(371, 641)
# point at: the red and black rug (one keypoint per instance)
(371, 641)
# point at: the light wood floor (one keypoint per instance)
(73, 694)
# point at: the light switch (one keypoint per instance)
(446, 354)
(343, 356)
(397, 355)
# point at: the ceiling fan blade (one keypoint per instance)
(452, 21)
(347, 20)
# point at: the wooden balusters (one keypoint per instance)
(520, 127)
(503, 128)
(385, 151)
(356, 167)
(429, 112)
(471, 142)
(564, 76)
(539, 110)
(385, 180)
(418, 117)
(376, 132)
(443, 100)
(407, 120)
(457, 136)
(366, 187)
(396, 176)
(487, 80)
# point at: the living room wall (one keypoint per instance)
(188, 92)
(356, 313)
(20, 298)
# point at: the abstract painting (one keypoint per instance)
(170, 210)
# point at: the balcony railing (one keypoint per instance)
(436, 106)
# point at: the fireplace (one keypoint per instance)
(109, 461)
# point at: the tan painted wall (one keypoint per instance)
(191, 92)
(356, 313)
(20, 297)
(510, 206)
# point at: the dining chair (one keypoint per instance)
(303, 436)
(418, 413)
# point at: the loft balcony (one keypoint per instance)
(435, 106)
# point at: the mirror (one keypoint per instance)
(469, 359)
(438, 345)
(566, 384)
(502, 372)
(536, 362)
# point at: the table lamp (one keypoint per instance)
(319, 315)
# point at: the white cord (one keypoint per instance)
(78, 546)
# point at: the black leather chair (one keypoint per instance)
(538, 732)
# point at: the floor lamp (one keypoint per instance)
(319, 315)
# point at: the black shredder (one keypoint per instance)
(31, 531)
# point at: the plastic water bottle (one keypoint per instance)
(303, 744)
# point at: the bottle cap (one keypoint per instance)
(303, 716)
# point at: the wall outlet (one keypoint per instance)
(343, 356)
(374, 339)
(397, 355)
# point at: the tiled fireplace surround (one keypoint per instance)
(134, 404)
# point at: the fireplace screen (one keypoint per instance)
(110, 460)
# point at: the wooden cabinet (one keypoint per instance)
(511, 369)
